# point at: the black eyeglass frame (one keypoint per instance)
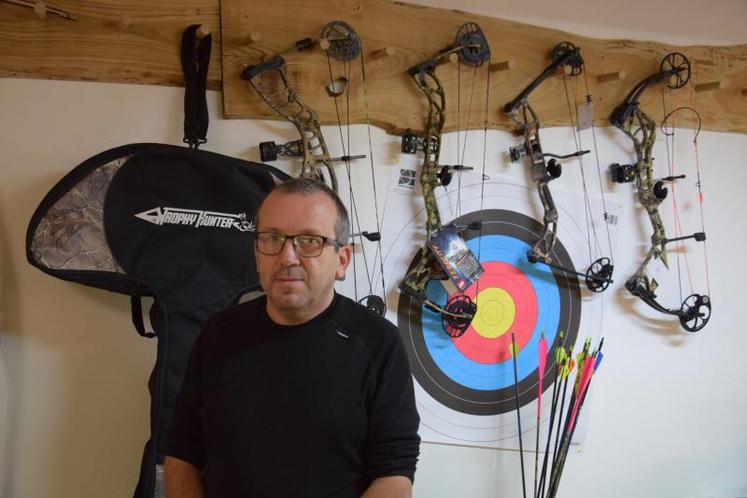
(325, 241)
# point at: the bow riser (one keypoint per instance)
(642, 131)
(525, 116)
(314, 150)
(427, 267)
(429, 179)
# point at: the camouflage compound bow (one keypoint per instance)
(674, 70)
(599, 274)
(270, 80)
(472, 48)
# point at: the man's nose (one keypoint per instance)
(288, 255)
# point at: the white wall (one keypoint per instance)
(669, 414)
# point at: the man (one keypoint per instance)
(302, 392)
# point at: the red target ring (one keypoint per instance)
(508, 304)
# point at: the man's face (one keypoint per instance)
(299, 288)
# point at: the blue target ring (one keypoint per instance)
(482, 376)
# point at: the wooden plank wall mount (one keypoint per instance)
(137, 41)
(397, 36)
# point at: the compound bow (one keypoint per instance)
(472, 49)
(270, 80)
(695, 310)
(599, 274)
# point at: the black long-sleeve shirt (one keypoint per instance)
(315, 410)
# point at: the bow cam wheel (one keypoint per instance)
(460, 311)
(374, 303)
(566, 53)
(695, 312)
(678, 66)
(344, 43)
(476, 50)
(599, 275)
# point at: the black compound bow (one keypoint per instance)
(564, 55)
(270, 80)
(674, 71)
(472, 48)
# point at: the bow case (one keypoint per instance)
(162, 221)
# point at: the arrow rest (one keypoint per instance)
(660, 191)
(445, 175)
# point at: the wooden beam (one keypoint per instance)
(137, 41)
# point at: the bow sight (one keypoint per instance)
(566, 55)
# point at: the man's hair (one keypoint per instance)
(309, 186)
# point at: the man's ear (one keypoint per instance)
(344, 256)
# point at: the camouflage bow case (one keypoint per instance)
(162, 221)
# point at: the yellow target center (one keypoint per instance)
(495, 313)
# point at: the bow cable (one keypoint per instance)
(345, 141)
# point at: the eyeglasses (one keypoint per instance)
(307, 246)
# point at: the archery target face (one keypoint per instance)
(465, 385)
